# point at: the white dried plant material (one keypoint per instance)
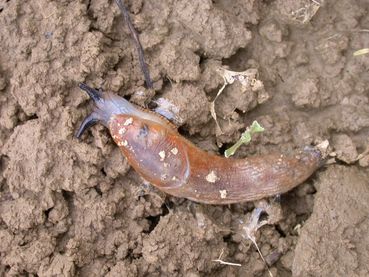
(169, 110)
(249, 83)
(212, 107)
(219, 260)
(363, 158)
(250, 228)
(323, 148)
(362, 51)
(247, 78)
(306, 13)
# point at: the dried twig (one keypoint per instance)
(223, 262)
(141, 58)
(361, 52)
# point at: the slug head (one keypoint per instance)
(106, 104)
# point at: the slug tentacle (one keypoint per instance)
(94, 94)
(88, 122)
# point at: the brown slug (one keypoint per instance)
(155, 149)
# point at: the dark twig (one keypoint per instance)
(137, 43)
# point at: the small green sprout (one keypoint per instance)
(361, 52)
(245, 138)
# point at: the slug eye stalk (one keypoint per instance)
(93, 118)
(94, 94)
(87, 123)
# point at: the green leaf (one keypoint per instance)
(245, 138)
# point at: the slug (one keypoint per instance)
(155, 149)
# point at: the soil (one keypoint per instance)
(73, 207)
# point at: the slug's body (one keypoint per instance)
(155, 149)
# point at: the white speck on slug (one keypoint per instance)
(122, 131)
(174, 151)
(223, 194)
(123, 143)
(166, 164)
(212, 177)
(128, 121)
(162, 155)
